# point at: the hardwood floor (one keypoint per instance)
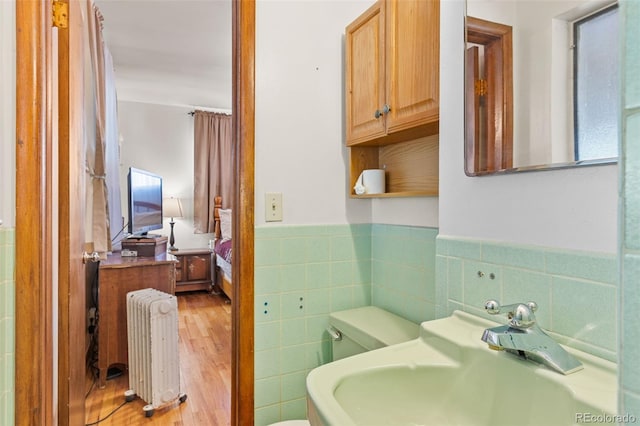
(205, 372)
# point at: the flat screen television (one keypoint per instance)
(145, 201)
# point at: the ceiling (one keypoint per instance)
(173, 52)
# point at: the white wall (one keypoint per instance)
(159, 139)
(572, 208)
(7, 113)
(299, 119)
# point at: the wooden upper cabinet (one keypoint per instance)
(392, 72)
(365, 75)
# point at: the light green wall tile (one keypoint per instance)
(584, 311)
(296, 409)
(294, 277)
(513, 256)
(7, 325)
(342, 248)
(267, 308)
(267, 415)
(318, 249)
(267, 391)
(341, 273)
(361, 295)
(294, 332)
(630, 337)
(341, 298)
(292, 305)
(595, 267)
(292, 358)
(362, 247)
(467, 249)
(456, 280)
(631, 406)
(362, 271)
(267, 280)
(631, 187)
(267, 363)
(580, 312)
(317, 302)
(317, 355)
(266, 252)
(293, 385)
(317, 328)
(267, 335)
(537, 287)
(293, 250)
(478, 288)
(318, 275)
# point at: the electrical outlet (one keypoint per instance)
(273, 207)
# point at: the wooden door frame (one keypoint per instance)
(242, 376)
(33, 270)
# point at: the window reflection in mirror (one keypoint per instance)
(565, 87)
(596, 88)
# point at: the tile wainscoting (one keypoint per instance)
(305, 272)
(302, 273)
(576, 292)
(7, 325)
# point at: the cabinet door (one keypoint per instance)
(412, 58)
(364, 77)
(180, 274)
(198, 267)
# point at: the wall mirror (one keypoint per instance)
(542, 85)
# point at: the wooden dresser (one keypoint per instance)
(118, 276)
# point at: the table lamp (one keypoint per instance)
(172, 208)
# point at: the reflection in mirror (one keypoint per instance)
(489, 106)
(558, 106)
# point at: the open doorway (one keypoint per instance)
(36, 398)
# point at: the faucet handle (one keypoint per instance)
(520, 314)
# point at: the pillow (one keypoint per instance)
(225, 223)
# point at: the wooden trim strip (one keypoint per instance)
(33, 329)
(242, 405)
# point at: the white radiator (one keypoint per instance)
(152, 334)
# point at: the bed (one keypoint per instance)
(223, 247)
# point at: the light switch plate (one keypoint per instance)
(273, 207)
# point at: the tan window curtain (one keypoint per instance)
(213, 164)
(96, 155)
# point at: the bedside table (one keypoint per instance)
(194, 269)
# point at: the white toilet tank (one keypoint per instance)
(359, 330)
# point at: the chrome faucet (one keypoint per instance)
(523, 337)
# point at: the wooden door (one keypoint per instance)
(365, 79)
(49, 216)
(71, 153)
(413, 63)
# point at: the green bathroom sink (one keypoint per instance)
(449, 377)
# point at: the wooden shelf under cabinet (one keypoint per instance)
(411, 168)
(193, 270)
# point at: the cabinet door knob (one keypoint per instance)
(378, 113)
(386, 108)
